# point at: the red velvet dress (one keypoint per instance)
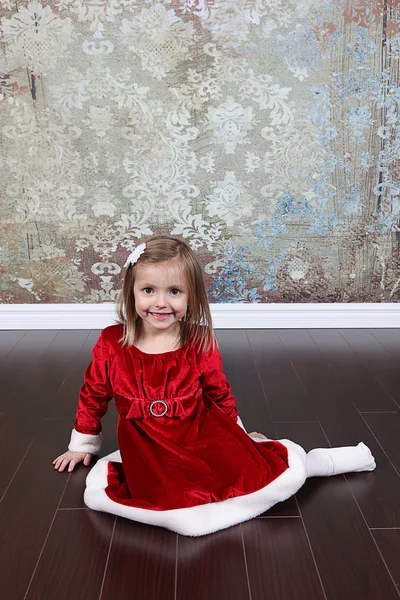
(192, 455)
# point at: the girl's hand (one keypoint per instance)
(257, 436)
(71, 459)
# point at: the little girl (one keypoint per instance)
(185, 461)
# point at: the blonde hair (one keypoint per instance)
(196, 326)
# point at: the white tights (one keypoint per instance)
(323, 462)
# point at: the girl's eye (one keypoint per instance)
(147, 290)
(175, 292)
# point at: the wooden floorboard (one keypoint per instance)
(74, 557)
(348, 561)
(338, 538)
(21, 363)
(379, 360)
(378, 493)
(279, 378)
(307, 435)
(142, 563)
(241, 370)
(366, 391)
(280, 562)
(8, 340)
(36, 392)
(388, 542)
(62, 405)
(16, 436)
(386, 428)
(346, 556)
(212, 567)
(390, 339)
(27, 511)
(30, 378)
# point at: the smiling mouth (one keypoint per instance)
(160, 316)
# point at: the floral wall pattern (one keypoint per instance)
(265, 132)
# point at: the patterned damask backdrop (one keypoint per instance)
(265, 132)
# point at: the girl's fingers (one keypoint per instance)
(86, 460)
(63, 464)
(57, 462)
(71, 466)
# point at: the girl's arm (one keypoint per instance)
(94, 396)
(215, 385)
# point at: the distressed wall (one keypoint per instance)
(265, 132)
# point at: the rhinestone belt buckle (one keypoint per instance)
(165, 405)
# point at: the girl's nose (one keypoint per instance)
(160, 302)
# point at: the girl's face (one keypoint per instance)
(161, 296)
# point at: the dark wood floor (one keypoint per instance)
(338, 539)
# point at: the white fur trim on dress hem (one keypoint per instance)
(84, 442)
(206, 518)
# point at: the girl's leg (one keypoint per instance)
(323, 462)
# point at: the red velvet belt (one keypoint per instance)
(143, 408)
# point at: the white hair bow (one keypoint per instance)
(134, 255)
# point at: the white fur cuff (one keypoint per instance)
(85, 442)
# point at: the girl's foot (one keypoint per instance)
(323, 462)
